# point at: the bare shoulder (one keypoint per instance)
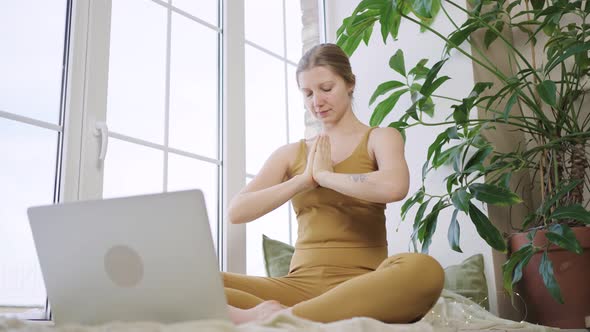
(280, 160)
(274, 170)
(385, 135)
(387, 147)
(288, 153)
(287, 150)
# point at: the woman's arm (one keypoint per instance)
(389, 183)
(269, 190)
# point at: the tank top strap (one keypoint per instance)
(363, 147)
(299, 161)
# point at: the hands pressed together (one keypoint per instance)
(319, 162)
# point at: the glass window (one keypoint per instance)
(137, 70)
(203, 9)
(189, 173)
(193, 87)
(132, 169)
(274, 225)
(294, 27)
(274, 107)
(163, 102)
(265, 107)
(31, 65)
(162, 109)
(264, 24)
(28, 179)
(32, 43)
(296, 108)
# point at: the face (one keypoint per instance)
(326, 95)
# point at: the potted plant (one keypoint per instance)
(542, 98)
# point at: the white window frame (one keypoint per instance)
(86, 104)
(87, 53)
(233, 132)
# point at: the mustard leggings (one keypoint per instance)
(330, 284)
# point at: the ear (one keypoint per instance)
(350, 90)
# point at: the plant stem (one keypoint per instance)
(496, 73)
(533, 105)
(436, 196)
(471, 43)
(448, 98)
(498, 34)
(499, 74)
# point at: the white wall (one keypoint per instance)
(370, 65)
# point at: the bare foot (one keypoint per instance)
(257, 313)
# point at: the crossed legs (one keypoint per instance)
(401, 290)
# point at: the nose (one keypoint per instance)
(318, 101)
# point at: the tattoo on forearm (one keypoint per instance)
(359, 177)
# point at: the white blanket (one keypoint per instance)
(451, 313)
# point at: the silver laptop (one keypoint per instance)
(141, 258)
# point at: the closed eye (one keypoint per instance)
(309, 94)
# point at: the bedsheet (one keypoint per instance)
(452, 312)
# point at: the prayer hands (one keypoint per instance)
(322, 162)
(319, 161)
(308, 179)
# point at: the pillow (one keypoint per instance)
(466, 279)
(277, 256)
(469, 280)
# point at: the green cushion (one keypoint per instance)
(277, 256)
(466, 279)
(469, 280)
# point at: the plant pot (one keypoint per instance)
(572, 272)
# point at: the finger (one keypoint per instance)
(318, 143)
(319, 151)
(314, 149)
(321, 146)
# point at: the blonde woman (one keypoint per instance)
(338, 183)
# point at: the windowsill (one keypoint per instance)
(22, 312)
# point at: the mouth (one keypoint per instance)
(323, 113)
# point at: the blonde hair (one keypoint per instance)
(330, 56)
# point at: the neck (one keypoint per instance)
(347, 125)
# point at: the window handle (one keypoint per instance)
(103, 132)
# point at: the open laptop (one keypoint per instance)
(141, 258)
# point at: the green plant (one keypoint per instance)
(546, 109)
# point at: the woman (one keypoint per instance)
(338, 183)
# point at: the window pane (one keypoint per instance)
(32, 43)
(132, 169)
(274, 225)
(27, 179)
(264, 24)
(187, 173)
(296, 108)
(265, 107)
(294, 28)
(203, 9)
(193, 87)
(137, 68)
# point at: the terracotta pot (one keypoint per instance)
(572, 273)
